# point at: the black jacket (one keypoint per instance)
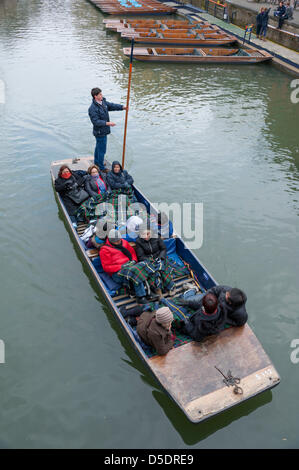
(201, 325)
(265, 17)
(99, 115)
(234, 316)
(154, 247)
(64, 187)
(121, 180)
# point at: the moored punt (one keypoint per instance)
(132, 7)
(191, 373)
(196, 55)
(119, 25)
(217, 38)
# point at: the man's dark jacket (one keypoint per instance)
(234, 316)
(155, 247)
(99, 115)
(121, 180)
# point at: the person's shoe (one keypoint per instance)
(172, 291)
(152, 297)
(131, 321)
(142, 300)
(189, 286)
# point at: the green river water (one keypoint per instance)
(223, 136)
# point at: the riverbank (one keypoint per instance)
(283, 57)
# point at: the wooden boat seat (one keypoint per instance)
(175, 51)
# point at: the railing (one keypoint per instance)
(217, 9)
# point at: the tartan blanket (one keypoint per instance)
(114, 205)
(158, 274)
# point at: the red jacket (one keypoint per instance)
(112, 259)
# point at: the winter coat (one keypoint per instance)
(121, 180)
(91, 185)
(154, 247)
(259, 19)
(265, 17)
(281, 11)
(99, 115)
(234, 316)
(153, 333)
(112, 258)
(65, 186)
(202, 324)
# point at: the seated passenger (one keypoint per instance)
(150, 247)
(118, 178)
(70, 185)
(231, 300)
(114, 255)
(154, 328)
(208, 320)
(94, 183)
(165, 227)
(153, 249)
(101, 232)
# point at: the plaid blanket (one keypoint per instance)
(114, 205)
(158, 274)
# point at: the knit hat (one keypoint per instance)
(164, 315)
(114, 235)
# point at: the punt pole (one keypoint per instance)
(127, 106)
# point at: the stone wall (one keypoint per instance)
(242, 16)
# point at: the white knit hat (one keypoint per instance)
(164, 315)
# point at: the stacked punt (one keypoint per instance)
(132, 7)
(165, 32)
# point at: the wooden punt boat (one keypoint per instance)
(187, 373)
(115, 25)
(216, 38)
(199, 56)
(206, 29)
(138, 7)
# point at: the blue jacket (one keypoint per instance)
(99, 115)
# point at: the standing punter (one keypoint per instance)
(99, 116)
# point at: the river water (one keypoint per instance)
(220, 135)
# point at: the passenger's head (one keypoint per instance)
(235, 297)
(64, 172)
(93, 170)
(103, 228)
(164, 316)
(210, 303)
(145, 234)
(261, 10)
(114, 237)
(96, 93)
(116, 167)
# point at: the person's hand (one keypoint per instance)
(125, 108)
(112, 124)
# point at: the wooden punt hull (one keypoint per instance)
(148, 7)
(188, 373)
(181, 41)
(207, 56)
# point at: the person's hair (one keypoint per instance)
(91, 168)
(237, 297)
(162, 218)
(63, 167)
(210, 303)
(95, 91)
